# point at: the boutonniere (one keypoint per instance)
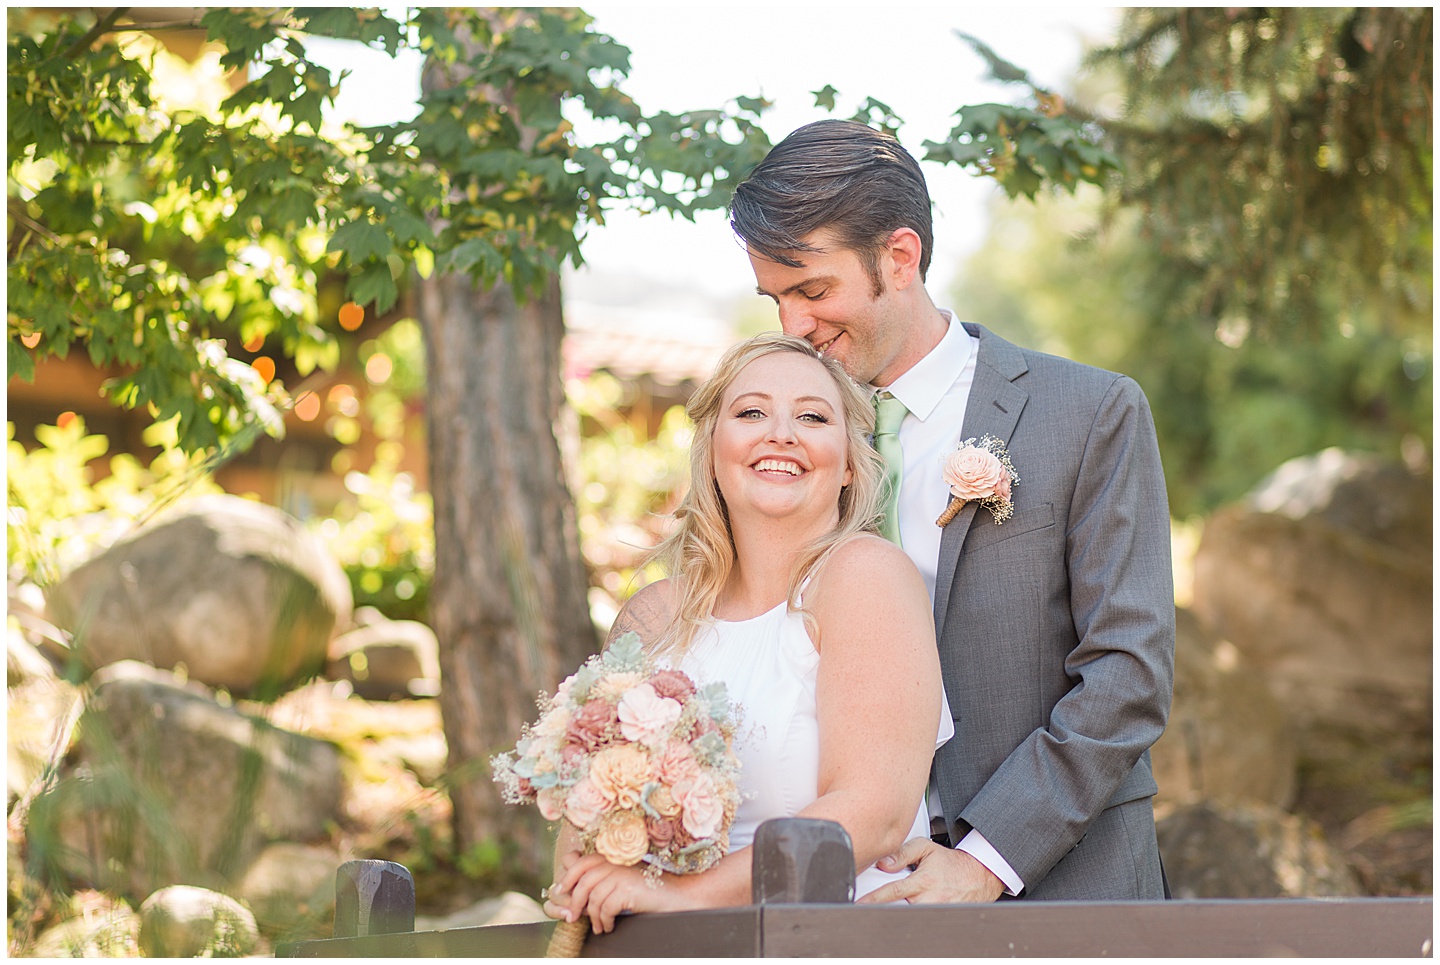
(982, 472)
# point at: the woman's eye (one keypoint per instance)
(751, 413)
(815, 417)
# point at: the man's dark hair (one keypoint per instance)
(841, 175)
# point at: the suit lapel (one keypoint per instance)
(993, 408)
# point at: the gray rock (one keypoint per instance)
(1249, 851)
(1323, 581)
(167, 785)
(387, 659)
(1228, 738)
(237, 592)
(291, 889)
(187, 922)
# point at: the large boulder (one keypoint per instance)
(1249, 851)
(1228, 738)
(166, 785)
(291, 890)
(1322, 579)
(236, 592)
(387, 659)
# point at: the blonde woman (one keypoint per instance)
(820, 629)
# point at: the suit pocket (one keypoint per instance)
(1032, 519)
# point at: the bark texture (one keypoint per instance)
(508, 601)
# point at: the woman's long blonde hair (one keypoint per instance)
(699, 555)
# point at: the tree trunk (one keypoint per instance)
(508, 601)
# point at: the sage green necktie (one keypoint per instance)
(889, 413)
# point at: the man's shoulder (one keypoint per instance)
(1031, 366)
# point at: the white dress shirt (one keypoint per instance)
(935, 390)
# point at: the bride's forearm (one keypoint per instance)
(723, 886)
(875, 831)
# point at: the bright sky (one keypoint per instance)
(905, 55)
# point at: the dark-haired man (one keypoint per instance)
(1055, 627)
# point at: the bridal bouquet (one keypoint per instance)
(637, 758)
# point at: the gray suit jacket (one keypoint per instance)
(1057, 630)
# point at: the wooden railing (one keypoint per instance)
(803, 880)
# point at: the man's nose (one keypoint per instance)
(795, 320)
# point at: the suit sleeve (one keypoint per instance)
(1045, 794)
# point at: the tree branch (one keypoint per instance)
(152, 27)
(23, 219)
(102, 27)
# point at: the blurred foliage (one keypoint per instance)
(1263, 266)
(154, 231)
(630, 484)
(60, 510)
(383, 535)
(1282, 155)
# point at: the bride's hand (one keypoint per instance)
(593, 886)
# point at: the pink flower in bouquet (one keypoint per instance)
(620, 774)
(677, 763)
(592, 724)
(551, 802)
(974, 473)
(703, 807)
(661, 831)
(672, 684)
(585, 804)
(624, 839)
(645, 716)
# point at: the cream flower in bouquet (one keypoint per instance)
(636, 757)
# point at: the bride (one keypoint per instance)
(820, 629)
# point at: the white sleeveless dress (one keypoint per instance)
(769, 666)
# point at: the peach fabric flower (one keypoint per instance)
(584, 804)
(973, 473)
(613, 685)
(624, 839)
(663, 801)
(645, 716)
(555, 721)
(620, 773)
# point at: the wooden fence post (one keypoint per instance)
(373, 898)
(802, 861)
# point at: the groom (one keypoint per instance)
(1056, 627)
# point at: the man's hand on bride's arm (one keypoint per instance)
(941, 876)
